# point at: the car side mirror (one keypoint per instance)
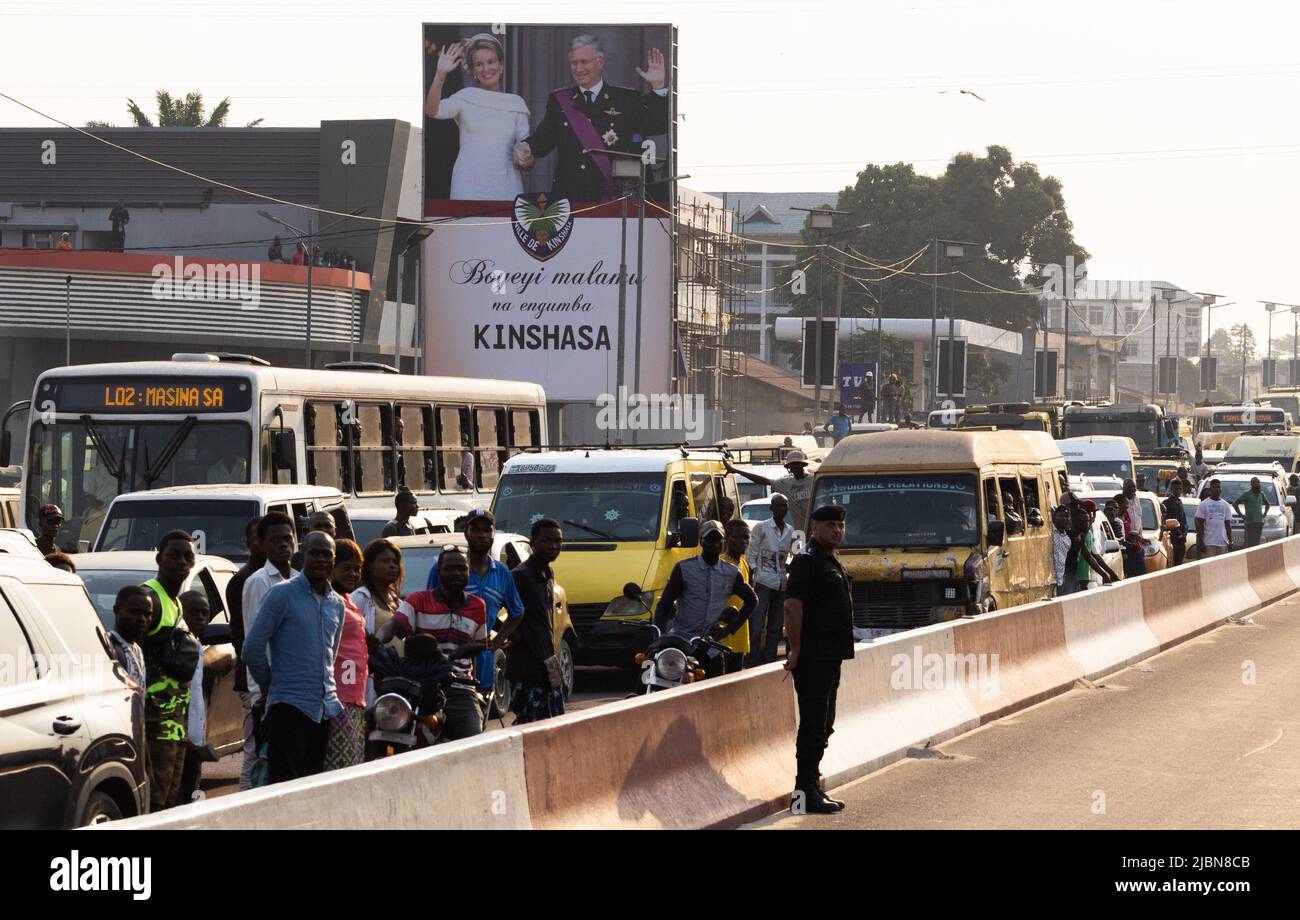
(1035, 518)
(83, 546)
(688, 532)
(997, 532)
(216, 634)
(1110, 546)
(632, 591)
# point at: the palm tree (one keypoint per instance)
(178, 113)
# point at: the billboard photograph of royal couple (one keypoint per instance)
(524, 272)
(509, 110)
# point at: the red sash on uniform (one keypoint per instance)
(585, 132)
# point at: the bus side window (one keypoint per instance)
(678, 505)
(706, 505)
(456, 468)
(415, 461)
(525, 431)
(373, 458)
(1063, 477)
(490, 444)
(1029, 486)
(992, 506)
(326, 451)
(1013, 504)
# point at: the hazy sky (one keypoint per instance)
(1171, 124)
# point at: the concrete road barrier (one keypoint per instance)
(475, 784)
(715, 753)
(1105, 628)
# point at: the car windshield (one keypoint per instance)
(1119, 469)
(417, 563)
(216, 525)
(103, 584)
(904, 509)
(1233, 489)
(592, 507)
(761, 512)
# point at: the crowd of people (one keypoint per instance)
(304, 626)
(319, 258)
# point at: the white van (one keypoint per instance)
(1098, 455)
(214, 515)
(1265, 448)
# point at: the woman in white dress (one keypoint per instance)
(491, 122)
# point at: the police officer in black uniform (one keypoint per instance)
(622, 117)
(819, 631)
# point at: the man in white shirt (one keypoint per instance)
(1133, 513)
(275, 533)
(770, 545)
(796, 485)
(1213, 523)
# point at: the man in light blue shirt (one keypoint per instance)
(839, 424)
(290, 652)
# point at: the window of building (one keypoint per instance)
(1096, 315)
(39, 239)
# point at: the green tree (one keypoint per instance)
(984, 375)
(1017, 215)
(173, 112)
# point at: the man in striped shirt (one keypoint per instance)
(453, 618)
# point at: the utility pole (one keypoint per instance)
(1154, 396)
(934, 329)
(1115, 356)
(1065, 378)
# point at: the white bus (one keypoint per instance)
(96, 431)
(1239, 418)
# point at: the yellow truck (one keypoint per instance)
(943, 524)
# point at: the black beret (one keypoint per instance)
(829, 513)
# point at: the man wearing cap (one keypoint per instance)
(1081, 519)
(492, 581)
(819, 632)
(694, 601)
(51, 519)
(796, 486)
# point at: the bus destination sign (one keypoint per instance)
(143, 395)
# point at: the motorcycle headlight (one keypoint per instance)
(622, 607)
(392, 713)
(670, 664)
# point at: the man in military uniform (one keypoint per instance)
(819, 633)
(593, 113)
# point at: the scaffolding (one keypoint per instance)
(707, 294)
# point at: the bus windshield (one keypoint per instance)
(1288, 404)
(904, 509)
(1144, 430)
(81, 466)
(592, 507)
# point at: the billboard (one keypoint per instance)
(522, 274)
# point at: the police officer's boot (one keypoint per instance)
(809, 799)
(821, 786)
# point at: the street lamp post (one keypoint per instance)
(1265, 378)
(953, 251)
(417, 237)
(934, 317)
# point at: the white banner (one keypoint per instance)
(506, 302)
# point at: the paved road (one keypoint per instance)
(593, 687)
(1180, 740)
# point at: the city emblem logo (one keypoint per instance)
(542, 224)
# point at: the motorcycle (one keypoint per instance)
(671, 661)
(411, 694)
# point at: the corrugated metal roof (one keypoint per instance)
(778, 206)
(284, 162)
